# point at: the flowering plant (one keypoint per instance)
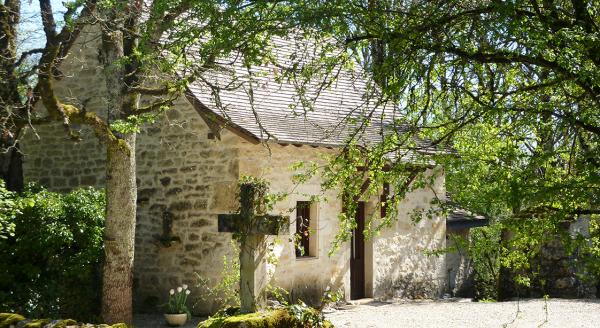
(177, 300)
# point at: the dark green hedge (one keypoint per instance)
(50, 253)
(12, 319)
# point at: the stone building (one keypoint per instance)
(188, 165)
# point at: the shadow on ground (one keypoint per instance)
(158, 321)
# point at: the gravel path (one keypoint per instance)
(463, 313)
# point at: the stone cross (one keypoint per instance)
(251, 230)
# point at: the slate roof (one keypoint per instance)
(462, 219)
(259, 103)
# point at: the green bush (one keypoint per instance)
(49, 263)
(15, 320)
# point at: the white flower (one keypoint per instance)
(179, 289)
(172, 291)
(187, 292)
(185, 286)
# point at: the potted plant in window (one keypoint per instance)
(177, 311)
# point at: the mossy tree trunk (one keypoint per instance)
(119, 233)
(121, 189)
(10, 158)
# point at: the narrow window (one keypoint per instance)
(303, 225)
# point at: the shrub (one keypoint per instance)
(49, 264)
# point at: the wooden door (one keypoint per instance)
(357, 255)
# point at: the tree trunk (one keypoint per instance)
(121, 189)
(11, 166)
(506, 283)
(119, 232)
(10, 102)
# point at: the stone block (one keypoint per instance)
(200, 204)
(180, 206)
(88, 180)
(193, 237)
(174, 191)
(199, 223)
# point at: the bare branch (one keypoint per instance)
(26, 54)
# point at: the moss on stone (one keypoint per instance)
(65, 323)
(119, 325)
(36, 323)
(280, 318)
(11, 319)
(8, 319)
(268, 319)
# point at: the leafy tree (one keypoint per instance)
(507, 92)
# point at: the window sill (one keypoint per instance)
(306, 258)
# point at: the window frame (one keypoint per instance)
(304, 224)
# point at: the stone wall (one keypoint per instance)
(50, 157)
(561, 272)
(185, 179)
(56, 162)
(459, 266)
(402, 267)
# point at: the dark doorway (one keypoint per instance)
(357, 255)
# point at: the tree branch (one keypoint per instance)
(48, 20)
(26, 54)
(151, 91)
(545, 209)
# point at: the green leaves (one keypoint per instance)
(10, 207)
(133, 123)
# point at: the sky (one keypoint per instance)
(31, 33)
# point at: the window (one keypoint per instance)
(303, 230)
